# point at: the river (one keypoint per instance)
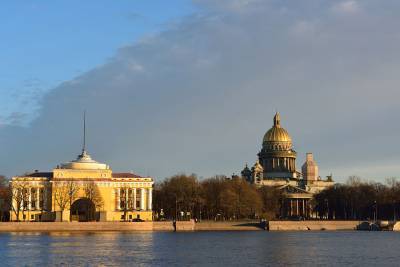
(258, 248)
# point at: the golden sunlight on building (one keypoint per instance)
(81, 190)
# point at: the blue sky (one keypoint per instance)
(191, 86)
(44, 43)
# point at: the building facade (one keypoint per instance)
(276, 167)
(81, 190)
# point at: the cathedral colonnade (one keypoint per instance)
(297, 207)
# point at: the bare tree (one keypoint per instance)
(93, 194)
(19, 197)
(5, 195)
(61, 196)
(72, 191)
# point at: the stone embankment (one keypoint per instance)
(228, 226)
(94, 226)
(312, 225)
(180, 226)
(396, 226)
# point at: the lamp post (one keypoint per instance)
(376, 211)
(176, 208)
(327, 207)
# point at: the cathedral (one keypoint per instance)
(276, 167)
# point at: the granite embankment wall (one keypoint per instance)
(227, 226)
(180, 226)
(312, 225)
(396, 226)
(94, 226)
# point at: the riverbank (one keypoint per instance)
(277, 226)
(228, 226)
(312, 225)
(181, 226)
(94, 226)
(129, 226)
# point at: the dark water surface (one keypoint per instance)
(201, 249)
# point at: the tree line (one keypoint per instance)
(360, 200)
(216, 198)
(223, 198)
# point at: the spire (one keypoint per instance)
(84, 133)
(277, 120)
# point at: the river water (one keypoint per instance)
(258, 248)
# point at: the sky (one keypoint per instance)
(192, 86)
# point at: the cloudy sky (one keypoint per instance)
(180, 86)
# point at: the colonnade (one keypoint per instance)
(144, 204)
(31, 198)
(280, 164)
(297, 207)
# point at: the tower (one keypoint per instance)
(310, 169)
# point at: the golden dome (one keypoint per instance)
(277, 133)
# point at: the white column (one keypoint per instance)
(37, 198)
(150, 199)
(142, 202)
(134, 198)
(14, 202)
(126, 198)
(44, 198)
(118, 198)
(29, 199)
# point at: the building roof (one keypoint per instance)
(40, 174)
(125, 175)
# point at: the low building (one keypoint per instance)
(276, 167)
(81, 190)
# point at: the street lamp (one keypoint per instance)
(327, 207)
(176, 207)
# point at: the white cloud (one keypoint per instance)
(303, 27)
(347, 7)
(199, 97)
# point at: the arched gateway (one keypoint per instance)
(83, 210)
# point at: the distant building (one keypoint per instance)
(276, 167)
(81, 190)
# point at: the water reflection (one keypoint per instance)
(199, 249)
(77, 249)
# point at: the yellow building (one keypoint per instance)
(81, 190)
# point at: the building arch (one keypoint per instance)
(83, 210)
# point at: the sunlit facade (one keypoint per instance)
(81, 190)
(276, 167)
